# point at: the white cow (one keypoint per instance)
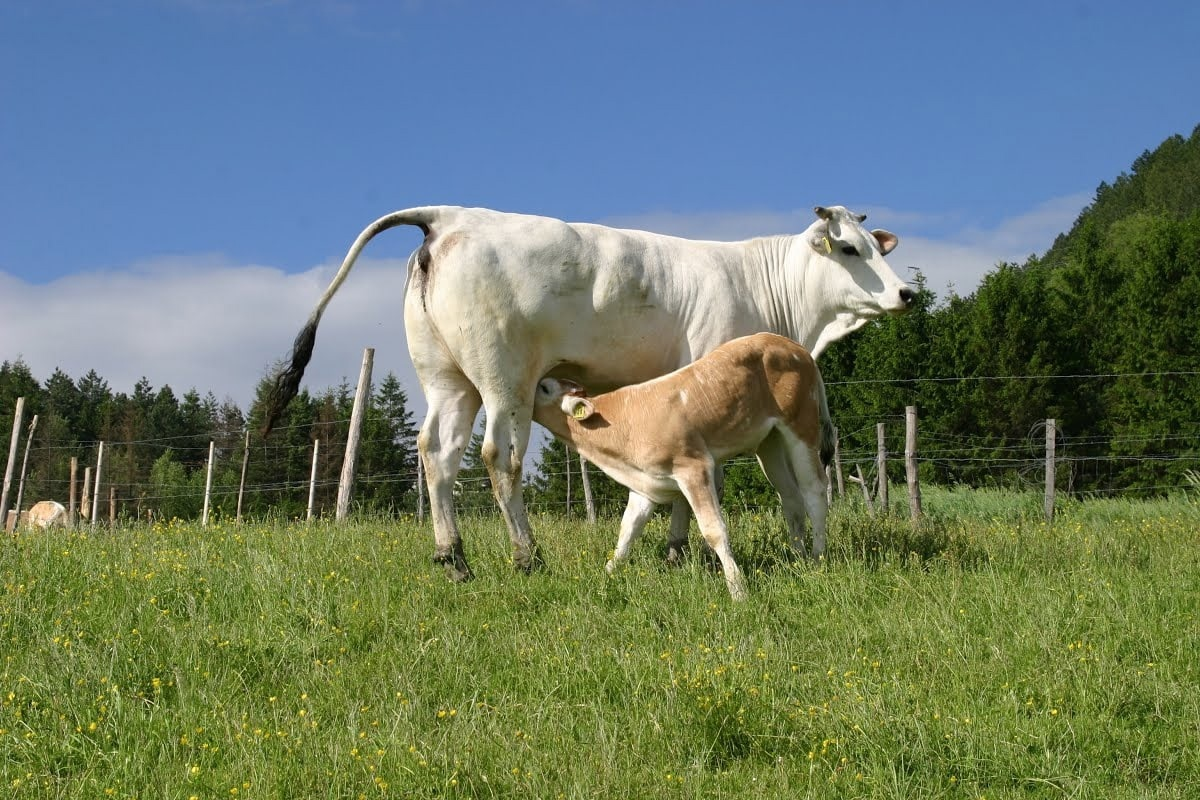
(668, 436)
(496, 301)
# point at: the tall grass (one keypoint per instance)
(978, 654)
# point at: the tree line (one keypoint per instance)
(157, 445)
(1101, 332)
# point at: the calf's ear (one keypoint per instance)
(887, 240)
(578, 407)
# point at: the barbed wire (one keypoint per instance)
(1019, 456)
(1070, 376)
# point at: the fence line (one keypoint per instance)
(551, 469)
(1024, 460)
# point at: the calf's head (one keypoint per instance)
(556, 396)
(860, 279)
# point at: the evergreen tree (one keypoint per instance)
(64, 398)
(1152, 405)
(558, 467)
(95, 400)
(17, 381)
(473, 487)
(387, 455)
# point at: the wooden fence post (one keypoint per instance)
(567, 450)
(85, 503)
(837, 463)
(242, 482)
(1049, 501)
(881, 468)
(73, 507)
(861, 481)
(362, 396)
(24, 469)
(312, 479)
(910, 462)
(589, 501)
(18, 418)
(208, 486)
(96, 486)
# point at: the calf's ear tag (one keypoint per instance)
(581, 412)
(828, 246)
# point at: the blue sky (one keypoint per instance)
(179, 178)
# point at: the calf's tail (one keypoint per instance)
(286, 381)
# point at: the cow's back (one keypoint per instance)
(603, 306)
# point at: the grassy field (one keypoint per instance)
(979, 655)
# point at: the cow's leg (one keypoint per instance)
(509, 417)
(677, 539)
(774, 457)
(805, 475)
(453, 404)
(810, 475)
(700, 490)
(633, 522)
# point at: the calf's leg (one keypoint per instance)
(633, 522)
(681, 522)
(700, 490)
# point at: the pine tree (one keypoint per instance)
(388, 457)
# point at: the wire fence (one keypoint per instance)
(280, 481)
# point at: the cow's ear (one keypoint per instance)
(820, 240)
(886, 239)
(578, 407)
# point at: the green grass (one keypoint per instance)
(979, 654)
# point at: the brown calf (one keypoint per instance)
(666, 437)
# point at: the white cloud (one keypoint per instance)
(200, 322)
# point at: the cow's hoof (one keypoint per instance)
(676, 555)
(528, 562)
(455, 565)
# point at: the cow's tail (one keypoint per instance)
(286, 382)
(828, 432)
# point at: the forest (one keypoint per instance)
(1100, 333)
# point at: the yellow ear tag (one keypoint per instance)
(828, 246)
(581, 412)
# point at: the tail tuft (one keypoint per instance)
(828, 432)
(287, 380)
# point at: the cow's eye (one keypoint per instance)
(850, 250)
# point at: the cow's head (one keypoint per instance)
(863, 283)
(567, 395)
